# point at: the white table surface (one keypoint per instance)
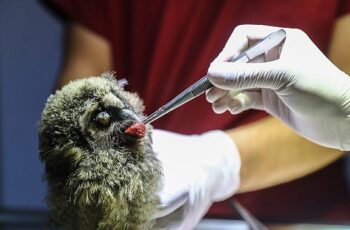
(214, 224)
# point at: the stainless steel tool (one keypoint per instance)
(202, 85)
(251, 221)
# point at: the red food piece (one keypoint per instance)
(137, 130)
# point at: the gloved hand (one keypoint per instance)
(197, 171)
(294, 82)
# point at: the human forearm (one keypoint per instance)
(87, 54)
(339, 49)
(276, 155)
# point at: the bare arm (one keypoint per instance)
(339, 50)
(271, 152)
(87, 54)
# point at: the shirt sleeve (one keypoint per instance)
(344, 7)
(88, 13)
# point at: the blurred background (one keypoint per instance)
(30, 45)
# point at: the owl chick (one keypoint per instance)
(98, 176)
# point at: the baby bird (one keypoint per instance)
(99, 176)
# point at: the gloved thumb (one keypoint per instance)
(240, 76)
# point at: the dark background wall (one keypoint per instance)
(30, 53)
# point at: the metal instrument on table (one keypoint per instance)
(251, 221)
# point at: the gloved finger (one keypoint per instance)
(215, 94)
(220, 106)
(263, 57)
(244, 101)
(237, 103)
(226, 102)
(242, 37)
(240, 76)
(270, 55)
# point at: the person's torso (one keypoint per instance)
(162, 47)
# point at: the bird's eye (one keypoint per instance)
(103, 118)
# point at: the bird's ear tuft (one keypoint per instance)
(110, 76)
(122, 83)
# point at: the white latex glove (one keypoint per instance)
(198, 170)
(296, 83)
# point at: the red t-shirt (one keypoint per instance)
(161, 47)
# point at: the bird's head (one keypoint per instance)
(83, 142)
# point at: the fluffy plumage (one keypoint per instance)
(98, 177)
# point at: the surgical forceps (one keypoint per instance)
(250, 220)
(202, 85)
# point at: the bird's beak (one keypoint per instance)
(136, 130)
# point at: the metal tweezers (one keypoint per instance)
(252, 222)
(202, 85)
